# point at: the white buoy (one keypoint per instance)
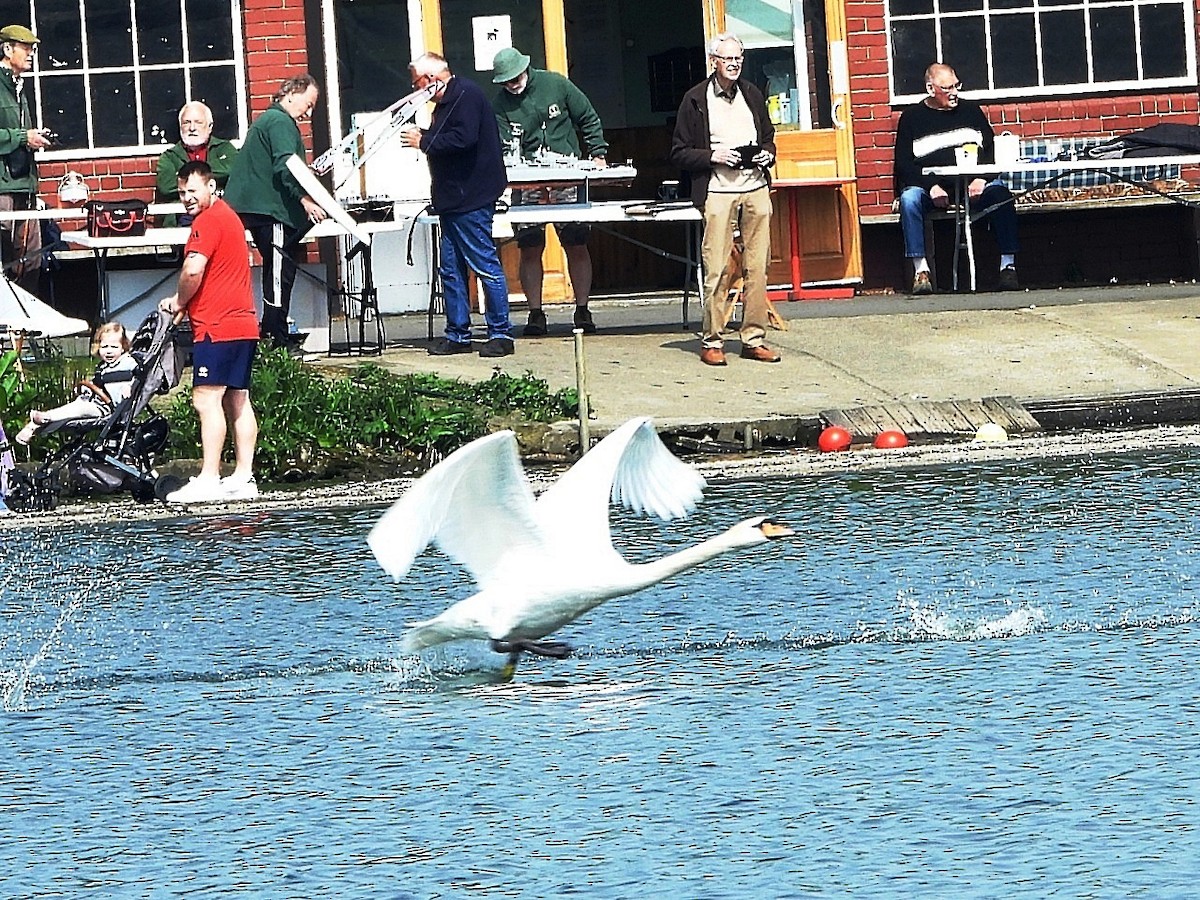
(991, 433)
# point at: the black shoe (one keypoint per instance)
(1008, 279)
(498, 347)
(583, 320)
(536, 326)
(447, 347)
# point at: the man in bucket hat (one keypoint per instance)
(20, 242)
(545, 108)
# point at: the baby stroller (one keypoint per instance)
(117, 453)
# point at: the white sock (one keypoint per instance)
(921, 264)
(1008, 259)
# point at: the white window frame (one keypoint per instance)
(990, 92)
(90, 152)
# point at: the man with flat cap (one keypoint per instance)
(20, 242)
(545, 108)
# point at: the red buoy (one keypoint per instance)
(833, 439)
(891, 440)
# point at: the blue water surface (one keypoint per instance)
(968, 681)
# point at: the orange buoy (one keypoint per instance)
(833, 439)
(891, 440)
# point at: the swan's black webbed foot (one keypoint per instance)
(551, 649)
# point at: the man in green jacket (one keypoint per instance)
(21, 241)
(196, 141)
(270, 202)
(547, 109)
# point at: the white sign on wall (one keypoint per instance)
(492, 34)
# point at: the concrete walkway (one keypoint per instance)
(1032, 345)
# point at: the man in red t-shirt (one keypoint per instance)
(214, 291)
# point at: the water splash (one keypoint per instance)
(14, 696)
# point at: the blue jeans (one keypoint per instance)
(467, 244)
(916, 204)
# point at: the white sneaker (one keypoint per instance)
(200, 489)
(237, 488)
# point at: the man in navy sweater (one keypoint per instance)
(928, 135)
(466, 169)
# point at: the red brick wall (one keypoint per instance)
(274, 32)
(875, 120)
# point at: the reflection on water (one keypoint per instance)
(968, 681)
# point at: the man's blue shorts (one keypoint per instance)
(224, 363)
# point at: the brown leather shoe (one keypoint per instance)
(761, 353)
(712, 356)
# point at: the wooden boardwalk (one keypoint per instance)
(933, 419)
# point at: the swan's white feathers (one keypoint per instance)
(474, 494)
(543, 564)
(631, 466)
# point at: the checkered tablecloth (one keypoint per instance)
(1043, 149)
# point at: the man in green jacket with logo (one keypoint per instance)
(21, 241)
(196, 142)
(546, 109)
(270, 202)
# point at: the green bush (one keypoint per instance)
(314, 425)
(47, 383)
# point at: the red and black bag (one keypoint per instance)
(116, 218)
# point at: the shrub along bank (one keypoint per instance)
(315, 424)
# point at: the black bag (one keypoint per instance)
(116, 218)
(19, 163)
(1165, 139)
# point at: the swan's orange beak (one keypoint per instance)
(772, 529)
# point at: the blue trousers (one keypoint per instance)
(916, 204)
(467, 245)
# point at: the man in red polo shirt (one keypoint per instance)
(214, 291)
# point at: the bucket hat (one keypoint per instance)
(508, 64)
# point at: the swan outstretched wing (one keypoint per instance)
(475, 504)
(631, 466)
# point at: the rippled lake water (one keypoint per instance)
(972, 681)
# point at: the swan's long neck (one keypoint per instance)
(688, 558)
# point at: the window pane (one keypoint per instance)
(1014, 51)
(109, 33)
(1013, 4)
(1064, 48)
(63, 109)
(1163, 35)
(216, 86)
(210, 30)
(912, 7)
(913, 49)
(1113, 52)
(61, 34)
(760, 23)
(964, 47)
(162, 96)
(160, 32)
(372, 71)
(950, 6)
(114, 116)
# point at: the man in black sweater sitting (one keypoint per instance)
(928, 135)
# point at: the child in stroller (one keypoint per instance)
(98, 398)
(120, 455)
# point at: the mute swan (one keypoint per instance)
(542, 563)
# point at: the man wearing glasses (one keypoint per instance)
(724, 144)
(22, 241)
(928, 135)
(467, 176)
